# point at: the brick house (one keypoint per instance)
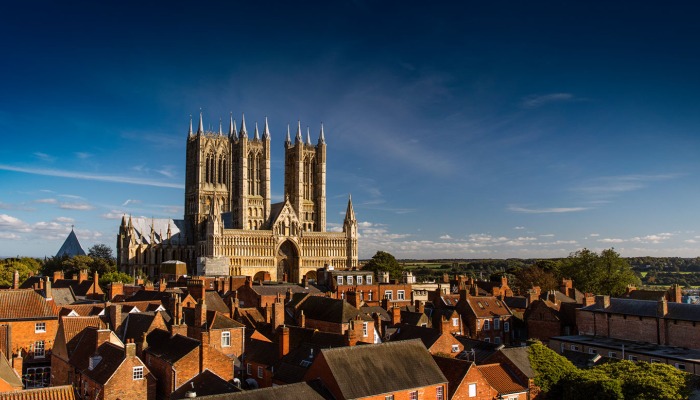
(660, 322)
(516, 360)
(328, 315)
(487, 317)
(214, 328)
(260, 295)
(80, 285)
(465, 381)
(401, 370)
(436, 340)
(28, 325)
(72, 332)
(550, 314)
(115, 372)
(504, 382)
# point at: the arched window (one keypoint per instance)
(224, 172)
(207, 172)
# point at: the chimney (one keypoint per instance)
(278, 312)
(395, 315)
(141, 346)
(162, 285)
(115, 315)
(149, 287)
(95, 283)
(18, 363)
(588, 299)
(47, 288)
(115, 289)
(661, 308)
(130, 348)
(566, 287)
(602, 301)
(15, 280)
(352, 336)
(200, 314)
(463, 294)
(353, 299)
(249, 281)
(102, 337)
(196, 288)
(552, 296)
(676, 293)
(288, 296)
(283, 341)
(82, 275)
(268, 313)
(378, 324)
(444, 325)
(302, 319)
(533, 295)
(420, 307)
(57, 275)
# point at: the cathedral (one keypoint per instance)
(231, 226)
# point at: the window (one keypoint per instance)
(388, 294)
(487, 340)
(389, 397)
(249, 369)
(260, 372)
(612, 354)
(39, 349)
(40, 327)
(225, 339)
(349, 278)
(455, 321)
(506, 327)
(340, 280)
(37, 377)
(680, 366)
(574, 347)
(472, 390)
(654, 360)
(496, 323)
(413, 395)
(487, 325)
(439, 393)
(455, 348)
(592, 351)
(497, 340)
(400, 295)
(364, 329)
(359, 280)
(369, 296)
(369, 279)
(137, 373)
(632, 358)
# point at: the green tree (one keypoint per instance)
(25, 267)
(607, 273)
(384, 262)
(115, 276)
(645, 381)
(101, 251)
(526, 278)
(549, 366)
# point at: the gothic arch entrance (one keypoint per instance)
(288, 262)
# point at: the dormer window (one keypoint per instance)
(369, 279)
(359, 280)
(340, 280)
(349, 280)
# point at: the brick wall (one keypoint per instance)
(444, 345)
(484, 391)
(123, 386)
(542, 323)
(23, 336)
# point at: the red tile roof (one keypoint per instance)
(24, 304)
(487, 306)
(501, 379)
(49, 393)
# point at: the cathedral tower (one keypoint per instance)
(305, 179)
(207, 177)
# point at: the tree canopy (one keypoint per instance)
(25, 266)
(101, 251)
(607, 273)
(384, 262)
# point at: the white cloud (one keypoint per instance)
(547, 235)
(113, 214)
(607, 186)
(535, 101)
(46, 201)
(554, 210)
(612, 240)
(44, 156)
(519, 228)
(130, 201)
(594, 234)
(64, 220)
(9, 236)
(445, 237)
(8, 222)
(82, 155)
(76, 206)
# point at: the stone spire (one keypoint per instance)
(321, 136)
(257, 135)
(298, 138)
(221, 132)
(244, 131)
(189, 133)
(200, 128)
(231, 127)
(350, 212)
(266, 131)
(289, 138)
(308, 135)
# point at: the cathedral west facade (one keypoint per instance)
(231, 226)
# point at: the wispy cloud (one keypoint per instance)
(82, 155)
(76, 206)
(538, 100)
(91, 177)
(518, 228)
(647, 239)
(445, 237)
(65, 220)
(553, 210)
(46, 201)
(130, 201)
(613, 185)
(10, 223)
(113, 214)
(44, 156)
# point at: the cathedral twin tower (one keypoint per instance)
(231, 225)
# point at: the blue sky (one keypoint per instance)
(461, 129)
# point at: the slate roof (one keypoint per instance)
(205, 384)
(330, 310)
(455, 371)
(70, 330)
(63, 296)
(112, 357)
(481, 349)
(519, 357)
(215, 320)
(136, 324)
(501, 379)
(650, 349)
(426, 335)
(142, 230)
(301, 390)
(648, 308)
(24, 304)
(48, 393)
(260, 351)
(71, 247)
(169, 348)
(274, 289)
(516, 302)
(8, 374)
(642, 294)
(215, 302)
(394, 366)
(383, 314)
